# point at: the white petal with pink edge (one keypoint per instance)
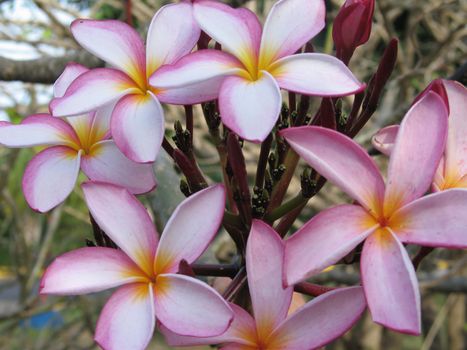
(190, 229)
(127, 320)
(289, 25)
(456, 146)
(100, 128)
(107, 163)
(92, 90)
(137, 127)
(384, 139)
(332, 314)
(204, 91)
(88, 270)
(172, 34)
(324, 240)
(188, 306)
(237, 30)
(194, 68)
(250, 108)
(315, 74)
(417, 152)
(390, 283)
(340, 160)
(50, 177)
(115, 42)
(37, 130)
(264, 265)
(124, 219)
(437, 220)
(70, 73)
(241, 331)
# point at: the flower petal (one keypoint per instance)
(456, 146)
(190, 229)
(100, 124)
(384, 139)
(417, 152)
(315, 74)
(124, 219)
(324, 240)
(50, 177)
(437, 220)
(172, 34)
(341, 161)
(332, 314)
(88, 270)
(390, 283)
(137, 127)
(37, 130)
(188, 306)
(192, 94)
(107, 164)
(289, 25)
(92, 90)
(127, 320)
(264, 265)
(70, 73)
(199, 66)
(250, 108)
(241, 331)
(237, 30)
(115, 42)
(234, 346)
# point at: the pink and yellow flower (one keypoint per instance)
(138, 119)
(452, 170)
(79, 142)
(311, 326)
(258, 62)
(387, 215)
(144, 269)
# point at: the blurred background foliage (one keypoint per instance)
(432, 43)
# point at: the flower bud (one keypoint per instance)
(352, 26)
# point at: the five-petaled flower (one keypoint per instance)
(452, 170)
(313, 325)
(79, 142)
(259, 62)
(386, 217)
(145, 269)
(138, 119)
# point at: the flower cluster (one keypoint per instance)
(109, 123)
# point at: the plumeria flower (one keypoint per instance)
(311, 326)
(138, 120)
(385, 217)
(72, 144)
(452, 170)
(259, 62)
(145, 269)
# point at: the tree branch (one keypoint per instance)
(44, 70)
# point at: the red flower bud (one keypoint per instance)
(352, 26)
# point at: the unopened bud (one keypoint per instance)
(352, 26)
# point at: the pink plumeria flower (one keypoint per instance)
(259, 62)
(452, 170)
(76, 143)
(138, 119)
(145, 269)
(386, 216)
(311, 326)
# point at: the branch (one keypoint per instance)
(44, 70)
